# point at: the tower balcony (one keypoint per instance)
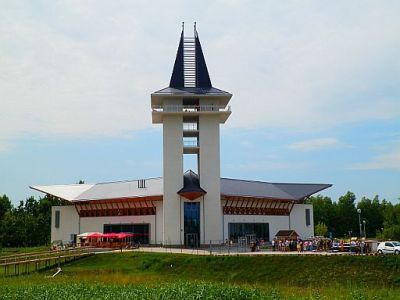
(158, 111)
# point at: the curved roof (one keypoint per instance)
(154, 187)
(288, 191)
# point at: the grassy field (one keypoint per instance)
(22, 250)
(174, 276)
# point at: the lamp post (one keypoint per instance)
(359, 221)
(365, 233)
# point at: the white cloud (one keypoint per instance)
(388, 160)
(314, 144)
(73, 68)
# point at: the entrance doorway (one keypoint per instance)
(192, 224)
(191, 240)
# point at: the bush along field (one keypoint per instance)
(172, 276)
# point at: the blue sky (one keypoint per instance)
(315, 84)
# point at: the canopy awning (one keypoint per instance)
(118, 236)
(86, 234)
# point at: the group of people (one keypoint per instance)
(286, 245)
(318, 244)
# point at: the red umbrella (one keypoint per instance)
(110, 235)
(95, 235)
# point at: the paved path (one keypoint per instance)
(222, 253)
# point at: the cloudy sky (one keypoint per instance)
(315, 84)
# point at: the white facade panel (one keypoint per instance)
(69, 223)
(298, 220)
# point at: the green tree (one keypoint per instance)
(28, 224)
(372, 213)
(346, 215)
(324, 211)
(321, 229)
(391, 223)
(5, 206)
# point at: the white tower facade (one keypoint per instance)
(191, 111)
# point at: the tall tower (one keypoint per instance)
(191, 110)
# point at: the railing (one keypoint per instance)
(191, 108)
(24, 264)
(190, 127)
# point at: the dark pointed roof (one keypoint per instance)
(177, 79)
(190, 57)
(202, 77)
(191, 186)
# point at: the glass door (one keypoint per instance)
(192, 224)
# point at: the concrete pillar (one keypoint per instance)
(173, 176)
(209, 171)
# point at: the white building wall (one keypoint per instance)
(69, 223)
(276, 223)
(298, 220)
(173, 173)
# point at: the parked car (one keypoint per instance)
(347, 247)
(389, 247)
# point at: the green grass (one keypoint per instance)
(178, 276)
(22, 250)
(295, 270)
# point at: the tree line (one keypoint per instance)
(341, 218)
(29, 223)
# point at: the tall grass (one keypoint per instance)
(179, 290)
(172, 276)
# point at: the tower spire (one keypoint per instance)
(190, 68)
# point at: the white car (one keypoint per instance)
(389, 247)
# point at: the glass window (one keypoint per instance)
(260, 230)
(141, 231)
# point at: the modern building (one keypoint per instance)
(190, 208)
